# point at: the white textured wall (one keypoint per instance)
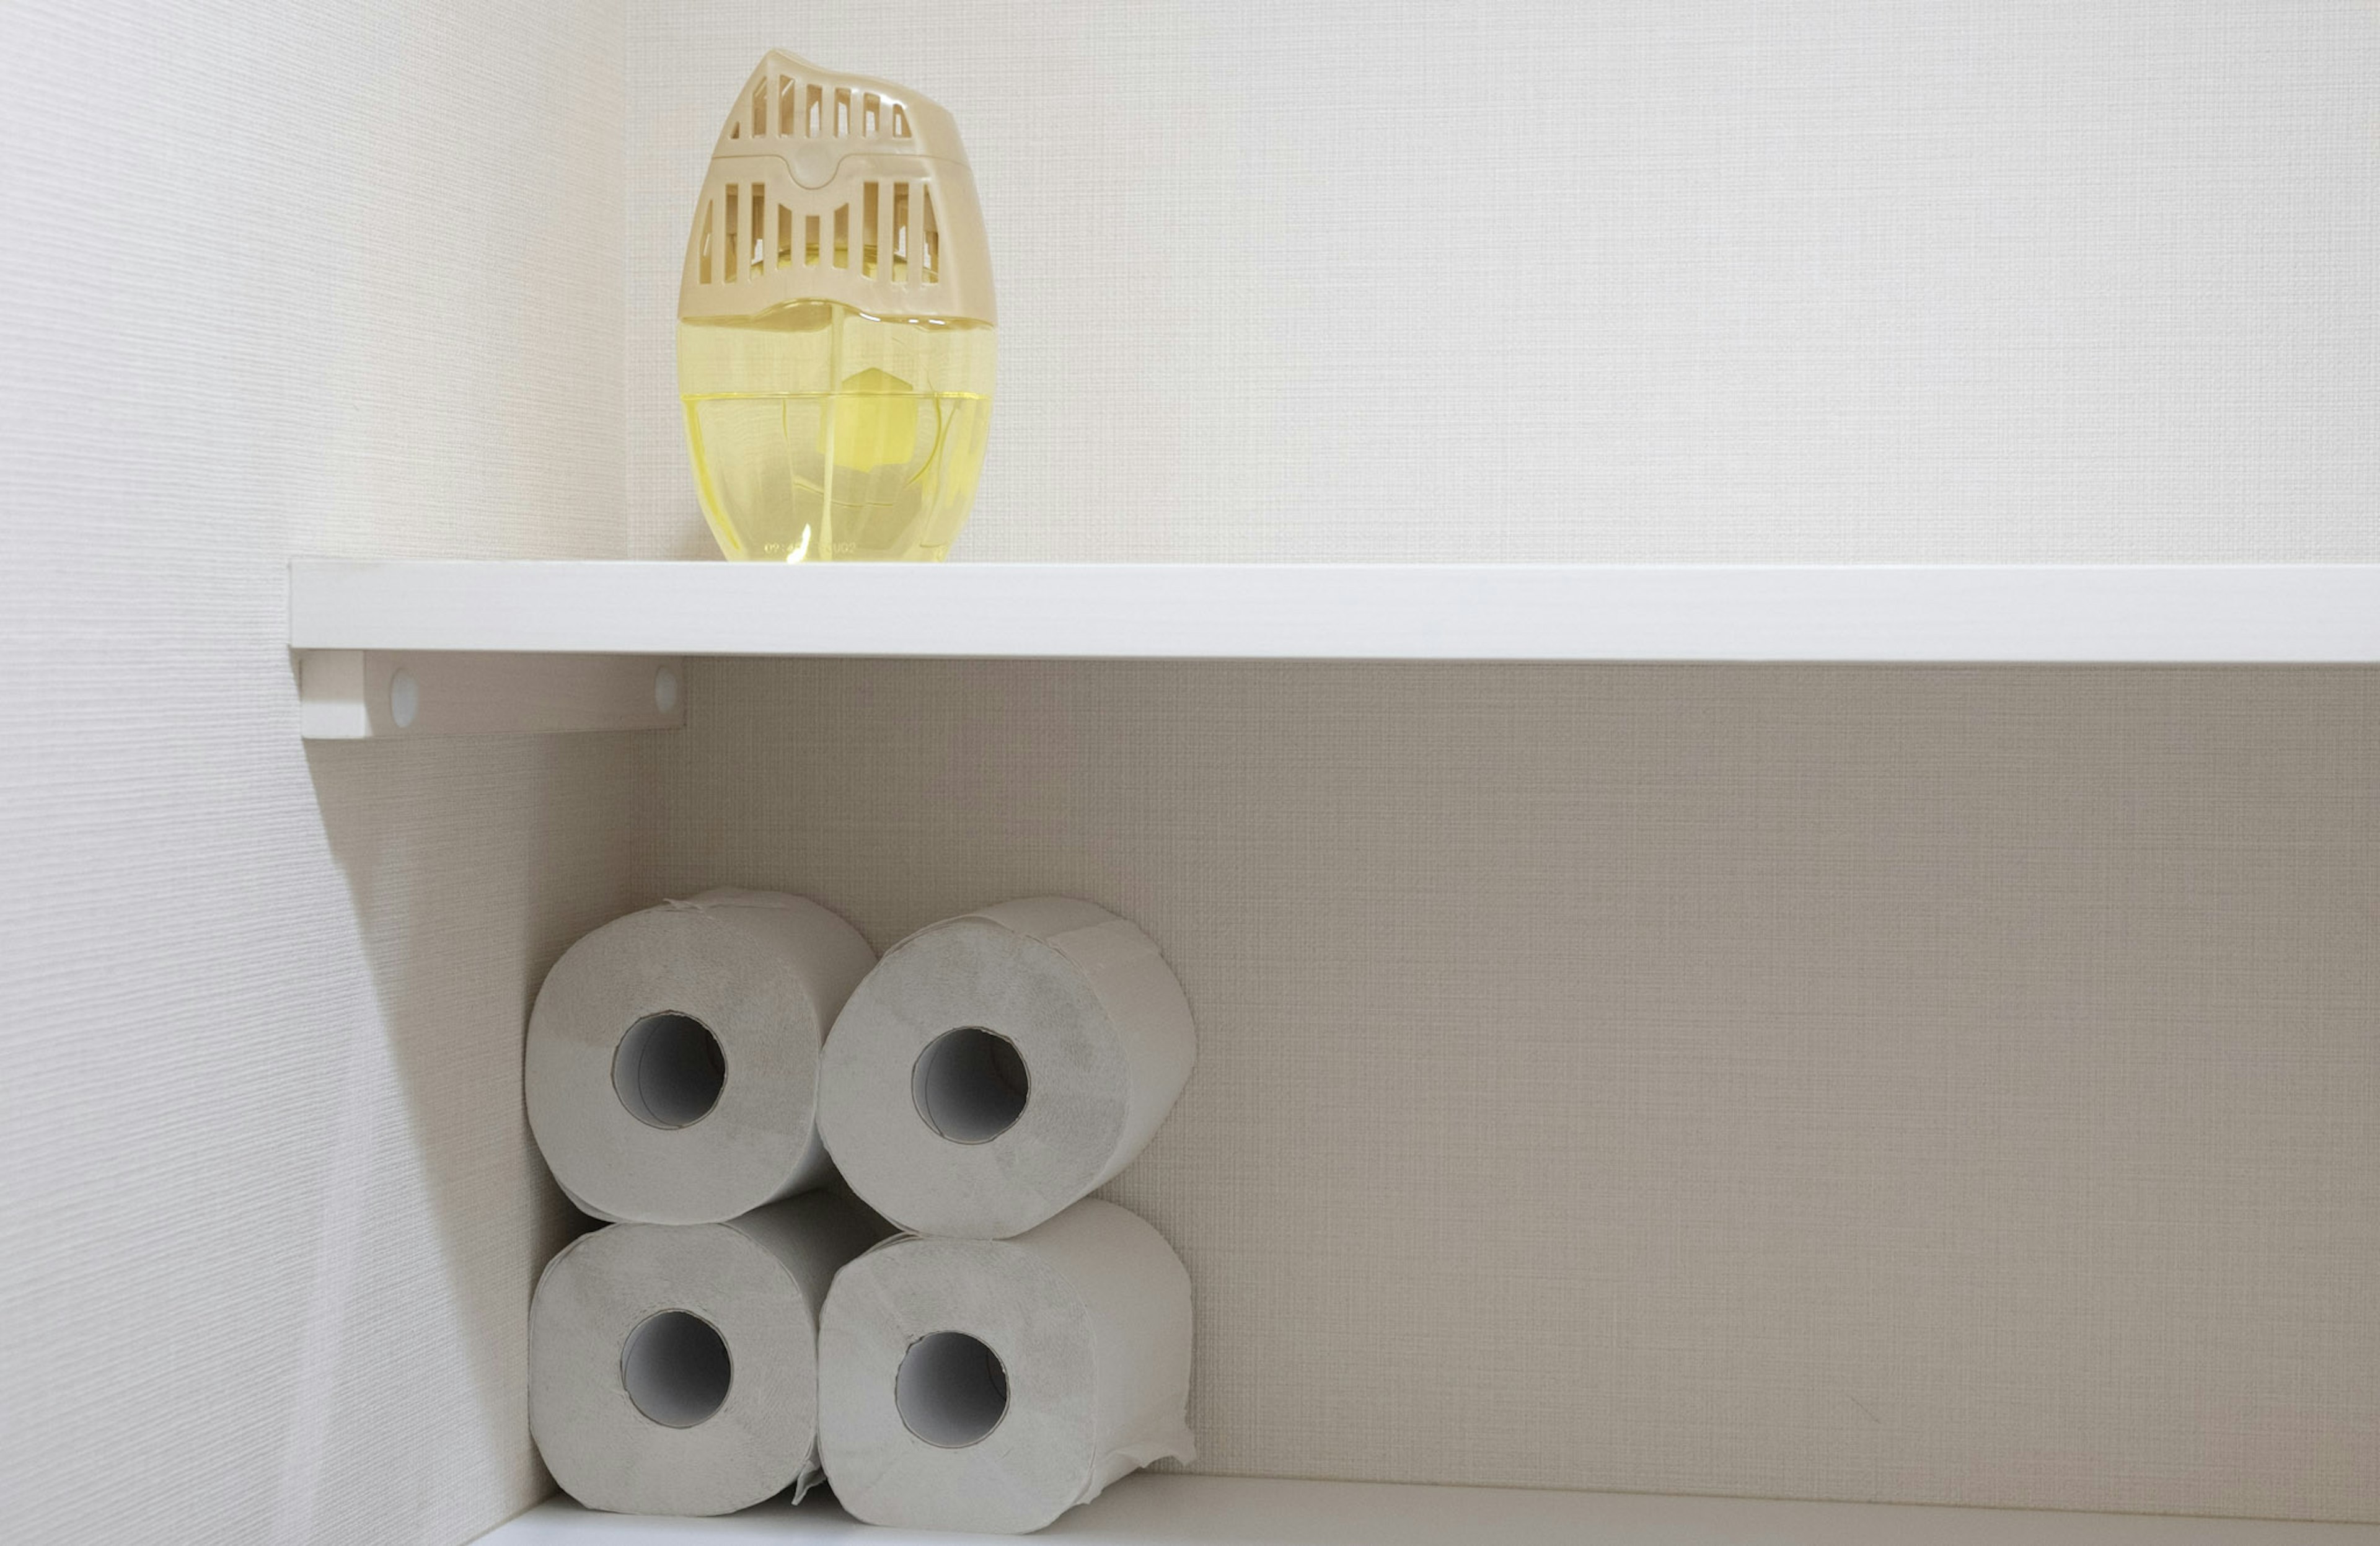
(275, 280)
(1832, 280)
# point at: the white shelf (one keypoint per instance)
(1227, 1511)
(2245, 614)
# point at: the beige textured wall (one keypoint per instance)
(1918, 1084)
(278, 280)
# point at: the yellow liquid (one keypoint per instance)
(819, 431)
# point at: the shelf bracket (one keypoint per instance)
(349, 695)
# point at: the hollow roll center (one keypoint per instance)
(951, 1390)
(970, 1085)
(675, 1367)
(669, 1070)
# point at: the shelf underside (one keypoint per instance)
(1226, 1511)
(2198, 613)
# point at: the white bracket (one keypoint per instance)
(347, 695)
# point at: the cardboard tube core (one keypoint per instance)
(669, 1070)
(951, 1390)
(675, 1367)
(970, 1085)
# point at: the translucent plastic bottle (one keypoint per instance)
(835, 323)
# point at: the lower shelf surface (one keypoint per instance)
(1150, 1510)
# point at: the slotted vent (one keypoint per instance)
(730, 269)
(787, 107)
(931, 241)
(896, 241)
(872, 236)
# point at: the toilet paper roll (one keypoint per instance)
(673, 1055)
(995, 1068)
(993, 1384)
(672, 1368)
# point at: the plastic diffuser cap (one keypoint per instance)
(837, 188)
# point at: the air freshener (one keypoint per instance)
(834, 336)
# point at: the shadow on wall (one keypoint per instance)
(1930, 1084)
(472, 863)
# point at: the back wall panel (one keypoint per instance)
(1931, 1085)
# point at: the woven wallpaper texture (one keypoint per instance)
(1827, 281)
(1917, 1084)
(281, 280)
(1928, 1085)
(1858, 1084)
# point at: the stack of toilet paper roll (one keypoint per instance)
(671, 1076)
(1012, 1347)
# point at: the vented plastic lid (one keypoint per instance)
(836, 187)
